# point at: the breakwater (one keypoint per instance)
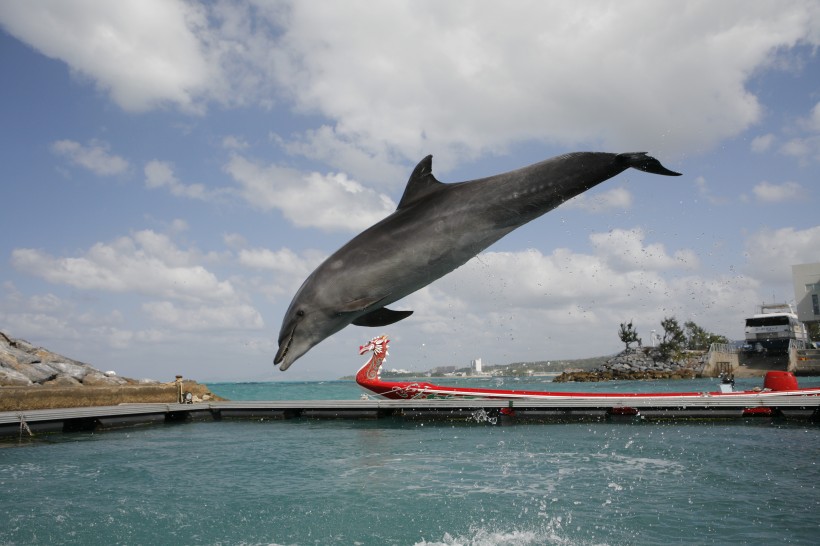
(32, 377)
(637, 364)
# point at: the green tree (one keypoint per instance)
(673, 340)
(699, 339)
(628, 334)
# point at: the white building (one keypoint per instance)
(475, 366)
(806, 279)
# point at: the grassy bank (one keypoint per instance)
(29, 398)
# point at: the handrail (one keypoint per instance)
(798, 344)
(723, 348)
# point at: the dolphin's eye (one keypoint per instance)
(300, 313)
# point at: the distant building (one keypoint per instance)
(475, 366)
(807, 291)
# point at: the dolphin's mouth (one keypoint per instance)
(283, 349)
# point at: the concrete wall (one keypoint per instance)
(712, 368)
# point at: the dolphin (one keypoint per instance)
(436, 228)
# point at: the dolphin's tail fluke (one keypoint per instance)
(646, 163)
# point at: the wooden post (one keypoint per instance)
(179, 389)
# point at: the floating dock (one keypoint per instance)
(505, 412)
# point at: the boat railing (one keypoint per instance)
(723, 348)
(798, 344)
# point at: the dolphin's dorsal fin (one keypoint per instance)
(421, 183)
(381, 317)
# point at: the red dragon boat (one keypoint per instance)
(777, 387)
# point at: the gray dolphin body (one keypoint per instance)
(435, 229)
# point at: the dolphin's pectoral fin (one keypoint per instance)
(381, 317)
(421, 183)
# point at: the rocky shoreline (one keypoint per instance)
(637, 364)
(34, 378)
(25, 365)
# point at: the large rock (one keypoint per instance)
(12, 356)
(72, 369)
(62, 381)
(22, 364)
(13, 378)
(38, 372)
(94, 379)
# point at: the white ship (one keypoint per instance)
(773, 328)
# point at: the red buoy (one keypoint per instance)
(780, 381)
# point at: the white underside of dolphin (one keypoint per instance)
(435, 229)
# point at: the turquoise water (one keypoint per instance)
(395, 482)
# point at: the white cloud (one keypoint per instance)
(772, 252)
(144, 53)
(278, 274)
(159, 174)
(625, 250)
(178, 226)
(805, 146)
(283, 261)
(614, 199)
(623, 269)
(767, 192)
(372, 161)
(457, 79)
(240, 316)
(145, 263)
(454, 80)
(46, 303)
(706, 192)
(52, 317)
(567, 304)
(812, 122)
(177, 295)
(762, 143)
(235, 240)
(94, 157)
(331, 201)
(180, 334)
(232, 142)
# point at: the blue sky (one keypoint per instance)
(172, 171)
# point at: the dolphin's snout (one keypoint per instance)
(284, 347)
(280, 358)
(280, 354)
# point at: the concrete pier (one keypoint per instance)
(616, 409)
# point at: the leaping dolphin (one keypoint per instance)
(435, 229)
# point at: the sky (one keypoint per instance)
(173, 170)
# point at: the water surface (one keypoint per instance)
(398, 482)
